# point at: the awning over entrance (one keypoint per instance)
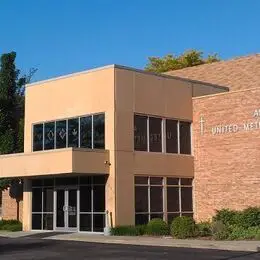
(68, 160)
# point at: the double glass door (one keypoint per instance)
(67, 209)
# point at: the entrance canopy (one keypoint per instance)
(68, 160)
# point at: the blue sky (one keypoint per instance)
(65, 36)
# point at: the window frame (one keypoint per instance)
(163, 134)
(79, 132)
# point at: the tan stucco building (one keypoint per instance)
(116, 146)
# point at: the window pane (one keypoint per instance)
(99, 179)
(186, 181)
(141, 180)
(85, 222)
(99, 198)
(48, 221)
(85, 199)
(86, 180)
(141, 199)
(73, 132)
(36, 200)
(156, 199)
(99, 131)
(172, 216)
(155, 134)
(36, 221)
(187, 215)
(186, 199)
(86, 132)
(141, 219)
(61, 134)
(49, 134)
(185, 138)
(173, 199)
(140, 133)
(172, 181)
(171, 136)
(66, 181)
(48, 200)
(154, 215)
(48, 182)
(36, 182)
(98, 222)
(156, 180)
(38, 137)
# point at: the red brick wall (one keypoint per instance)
(227, 165)
(9, 207)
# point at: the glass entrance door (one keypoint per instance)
(67, 209)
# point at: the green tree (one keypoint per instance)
(11, 108)
(171, 62)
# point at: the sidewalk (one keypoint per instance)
(251, 246)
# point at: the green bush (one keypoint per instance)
(257, 237)
(10, 225)
(157, 227)
(227, 217)
(220, 231)
(203, 229)
(183, 227)
(250, 217)
(241, 233)
(128, 230)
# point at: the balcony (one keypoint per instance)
(54, 162)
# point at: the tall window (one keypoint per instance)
(85, 132)
(185, 138)
(140, 133)
(38, 137)
(162, 197)
(154, 134)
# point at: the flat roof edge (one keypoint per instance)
(116, 66)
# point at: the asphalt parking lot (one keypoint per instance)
(35, 248)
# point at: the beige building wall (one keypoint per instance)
(142, 93)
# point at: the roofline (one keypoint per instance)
(225, 93)
(116, 66)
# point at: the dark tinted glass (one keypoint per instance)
(155, 134)
(37, 182)
(61, 134)
(73, 132)
(173, 199)
(140, 133)
(48, 221)
(172, 181)
(98, 222)
(141, 199)
(187, 215)
(171, 136)
(99, 131)
(36, 221)
(156, 199)
(141, 180)
(186, 199)
(156, 180)
(99, 179)
(141, 219)
(38, 137)
(48, 182)
(49, 134)
(85, 198)
(99, 198)
(86, 132)
(156, 215)
(172, 216)
(86, 180)
(185, 138)
(186, 181)
(66, 181)
(48, 200)
(36, 200)
(85, 222)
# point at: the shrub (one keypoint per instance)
(157, 227)
(257, 237)
(227, 217)
(250, 217)
(203, 229)
(183, 227)
(10, 225)
(220, 231)
(128, 231)
(239, 233)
